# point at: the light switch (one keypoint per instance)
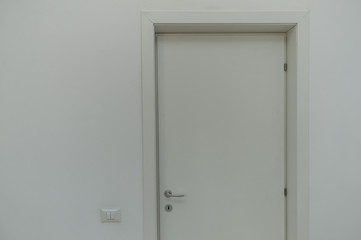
(110, 215)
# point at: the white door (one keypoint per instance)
(221, 136)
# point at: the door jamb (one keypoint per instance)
(296, 25)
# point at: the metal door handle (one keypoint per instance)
(169, 194)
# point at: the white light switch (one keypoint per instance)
(110, 215)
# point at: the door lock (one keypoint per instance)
(168, 208)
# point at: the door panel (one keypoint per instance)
(221, 136)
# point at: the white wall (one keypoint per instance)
(335, 123)
(70, 107)
(70, 136)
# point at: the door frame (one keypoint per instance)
(296, 25)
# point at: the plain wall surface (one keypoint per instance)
(70, 115)
(335, 120)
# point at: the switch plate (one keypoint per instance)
(110, 215)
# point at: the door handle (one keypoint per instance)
(169, 194)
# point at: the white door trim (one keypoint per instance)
(295, 24)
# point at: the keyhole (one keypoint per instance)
(168, 208)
